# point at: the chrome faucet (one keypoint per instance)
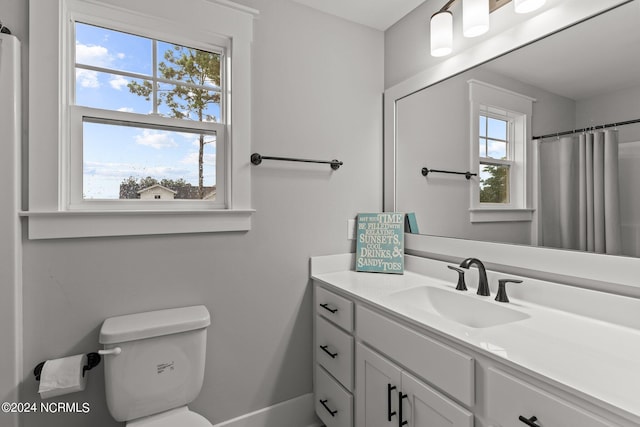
(483, 285)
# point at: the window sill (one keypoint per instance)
(73, 224)
(500, 215)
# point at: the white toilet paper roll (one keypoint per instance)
(62, 376)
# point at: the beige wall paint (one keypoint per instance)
(317, 85)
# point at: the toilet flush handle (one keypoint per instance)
(112, 351)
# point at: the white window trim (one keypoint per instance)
(483, 94)
(48, 214)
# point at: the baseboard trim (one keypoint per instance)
(296, 412)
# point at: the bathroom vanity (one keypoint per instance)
(394, 350)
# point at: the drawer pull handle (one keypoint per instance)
(324, 403)
(325, 348)
(326, 307)
(401, 397)
(529, 421)
(390, 414)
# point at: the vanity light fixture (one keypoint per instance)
(526, 6)
(442, 33)
(475, 17)
(475, 20)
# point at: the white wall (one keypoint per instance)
(317, 85)
(10, 229)
(610, 107)
(14, 16)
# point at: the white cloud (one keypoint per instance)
(102, 179)
(122, 171)
(87, 78)
(155, 139)
(126, 109)
(93, 55)
(118, 82)
(497, 150)
(120, 55)
(98, 56)
(192, 159)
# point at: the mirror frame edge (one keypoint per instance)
(595, 271)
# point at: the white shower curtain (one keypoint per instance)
(579, 194)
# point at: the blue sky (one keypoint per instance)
(493, 128)
(112, 153)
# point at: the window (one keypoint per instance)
(130, 130)
(146, 113)
(499, 130)
(495, 157)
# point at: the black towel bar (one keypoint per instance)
(467, 174)
(256, 159)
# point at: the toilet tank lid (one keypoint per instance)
(150, 324)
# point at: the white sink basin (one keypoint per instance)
(469, 310)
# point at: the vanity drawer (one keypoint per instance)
(508, 398)
(442, 366)
(334, 351)
(337, 309)
(334, 405)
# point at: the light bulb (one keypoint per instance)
(441, 34)
(526, 6)
(475, 17)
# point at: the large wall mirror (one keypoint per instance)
(530, 191)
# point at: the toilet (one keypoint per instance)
(154, 366)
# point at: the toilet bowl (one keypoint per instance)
(181, 417)
(156, 366)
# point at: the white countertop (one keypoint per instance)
(598, 359)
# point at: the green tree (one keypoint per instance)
(195, 68)
(494, 189)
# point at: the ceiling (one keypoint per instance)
(378, 14)
(601, 51)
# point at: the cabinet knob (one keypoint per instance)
(323, 402)
(401, 397)
(325, 348)
(329, 309)
(390, 414)
(529, 421)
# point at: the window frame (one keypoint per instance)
(509, 161)
(52, 80)
(72, 182)
(515, 108)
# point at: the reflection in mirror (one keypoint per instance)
(519, 121)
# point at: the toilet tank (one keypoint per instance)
(161, 363)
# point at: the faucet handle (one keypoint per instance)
(502, 292)
(461, 286)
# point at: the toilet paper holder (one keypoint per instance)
(93, 360)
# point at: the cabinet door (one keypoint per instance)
(422, 406)
(378, 386)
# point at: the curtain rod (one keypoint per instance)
(571, 132)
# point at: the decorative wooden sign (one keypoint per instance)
(380, 244)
